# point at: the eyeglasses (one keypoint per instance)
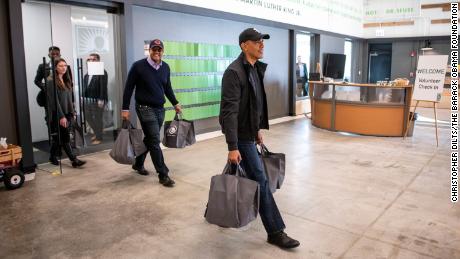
(157, 49)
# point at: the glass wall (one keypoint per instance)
(348, 53)
(302, 66)
(73, 33)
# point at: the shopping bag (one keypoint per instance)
(274, 167)
(136, 137)
(128, 145)
(190, 140)
(233, 199)
(77, 137)
(176, 132)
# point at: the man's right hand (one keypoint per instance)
(234, 157)
(63, 122)
(125, 115)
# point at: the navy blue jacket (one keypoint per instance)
(151, 85)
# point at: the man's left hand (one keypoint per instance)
(100, 103)
(260, 138)
(178, 108)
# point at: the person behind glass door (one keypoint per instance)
(61, 111)
(151, 78)
(43, 71)
(302, 77)
(243, 113)
(95, 97)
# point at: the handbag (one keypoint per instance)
(233, 199)
(274, 167)
(128, 144)
(178, 133)
(41, 98)
(77, 137)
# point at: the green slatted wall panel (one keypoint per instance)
(196, 76)
(196, 113)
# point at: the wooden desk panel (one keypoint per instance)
(321, 114)
(365, 118)
(370, 120)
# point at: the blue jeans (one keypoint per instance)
(151, 121)
(251, 163)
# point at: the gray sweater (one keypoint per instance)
(65, 100)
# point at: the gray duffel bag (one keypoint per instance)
(128, 145)
(233, 199)
(274, 167)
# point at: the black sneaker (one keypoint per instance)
(141, 170)
(166, 181)
(77, 163)
(282, 240)
(54, 161)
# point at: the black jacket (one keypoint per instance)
(43, 73)
(41, 77)
(239, 116)
(97, 88)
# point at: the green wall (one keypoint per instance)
(196, 76)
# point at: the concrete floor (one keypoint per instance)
(345, 196)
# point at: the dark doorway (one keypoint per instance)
(379, 62)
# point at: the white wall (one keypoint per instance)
(344, 17)
(380, 11)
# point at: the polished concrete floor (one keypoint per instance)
(345, 196)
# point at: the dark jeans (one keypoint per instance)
(94, 117)
(61, 141)
(151, 121)
(251, 163)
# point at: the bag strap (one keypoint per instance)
(126, 124)
(179, 116)
(234, 169)
(264, 150)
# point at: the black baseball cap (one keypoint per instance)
(156, 43)
(252, 34)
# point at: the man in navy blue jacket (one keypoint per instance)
(151, 79)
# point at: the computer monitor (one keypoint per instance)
(334, 65)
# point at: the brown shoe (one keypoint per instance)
(96, 142)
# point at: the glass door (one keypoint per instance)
(98, 84)
(87, 39)
(39, 50)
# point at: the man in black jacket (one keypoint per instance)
(43, 71)
(95, 94)
(243, 113)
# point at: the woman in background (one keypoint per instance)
(61, 111)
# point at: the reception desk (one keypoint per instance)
(366, 109)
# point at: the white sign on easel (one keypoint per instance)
(429, 80)
(429, 83)
(95, 68)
